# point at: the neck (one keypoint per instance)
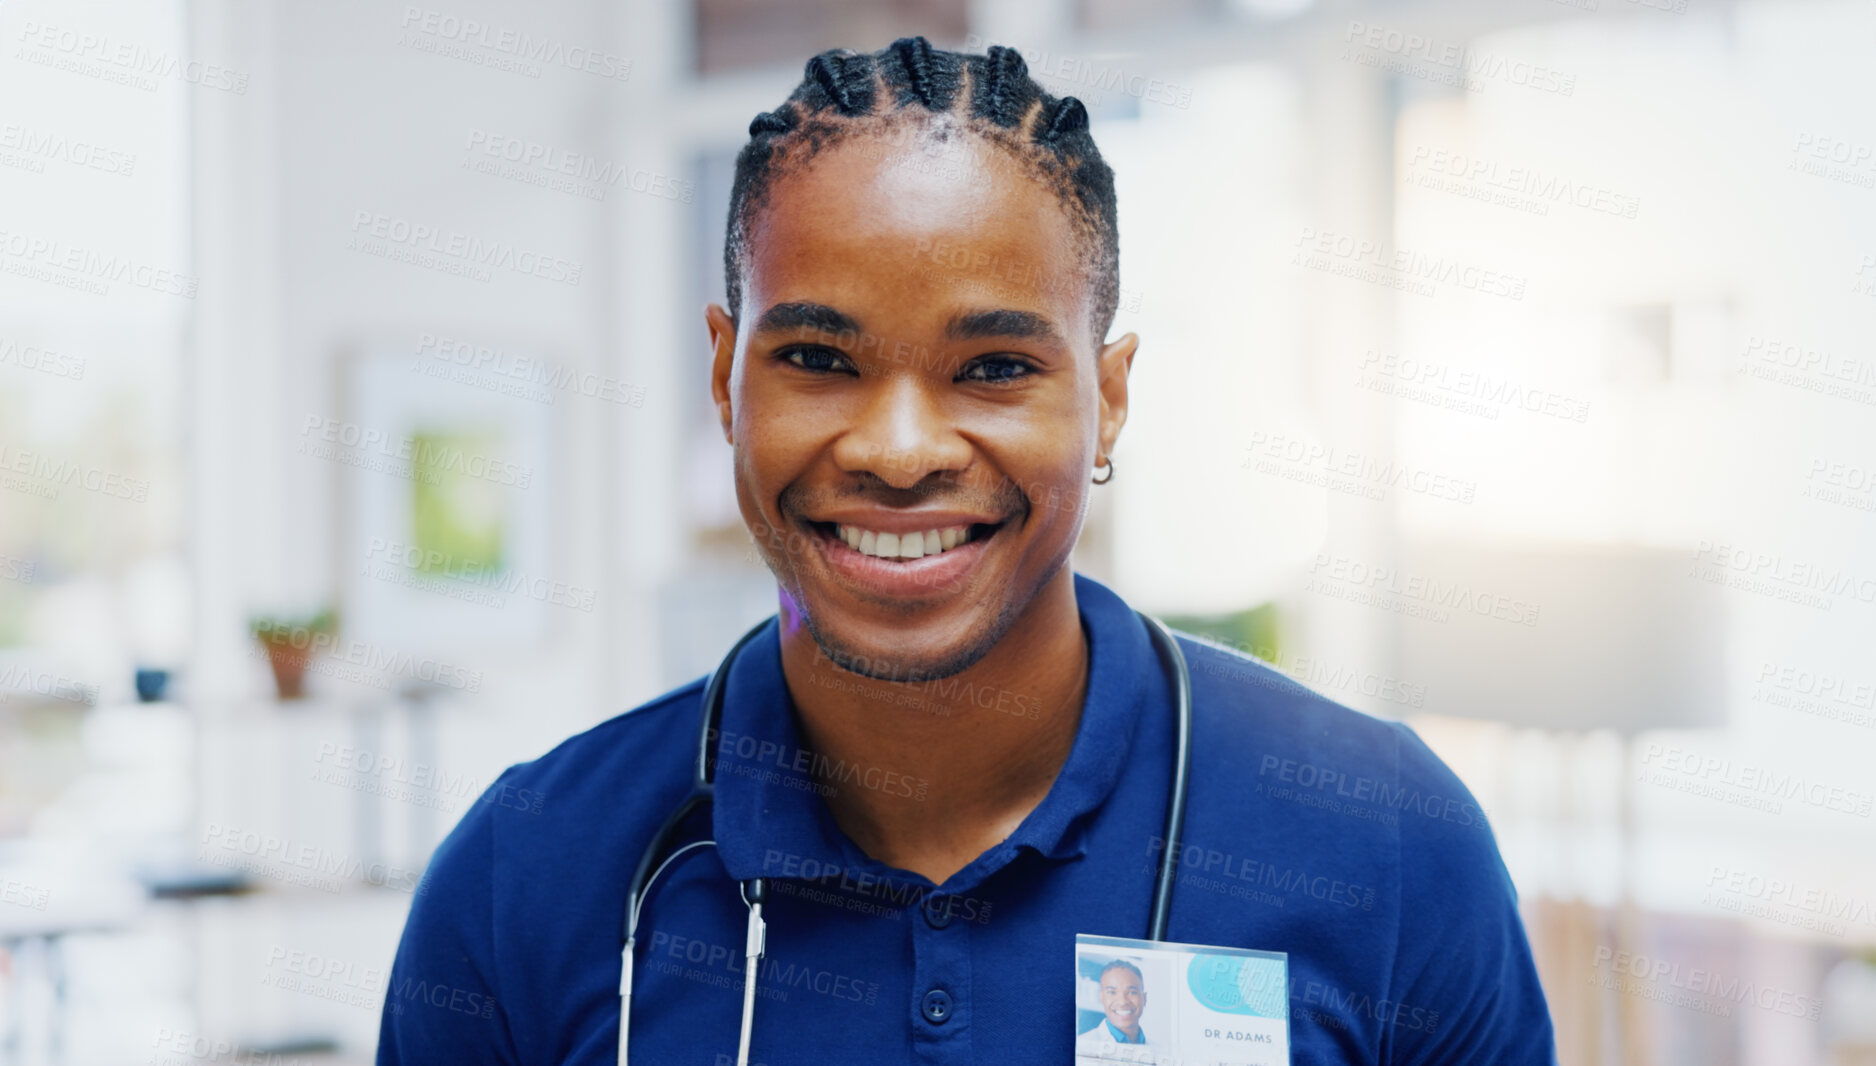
(928, 775)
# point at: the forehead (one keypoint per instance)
(907, 231)
(1119, 976)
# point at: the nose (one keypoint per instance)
(903, 433)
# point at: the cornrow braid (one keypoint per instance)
(910, 83)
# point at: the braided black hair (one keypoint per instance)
(990, 95)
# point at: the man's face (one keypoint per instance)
(1122, 998)
(915, 400)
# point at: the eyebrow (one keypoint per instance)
(791, 316)
(1002, 322)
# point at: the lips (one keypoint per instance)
(885, 554)
(912, 544)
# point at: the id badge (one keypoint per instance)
(1189, 1004)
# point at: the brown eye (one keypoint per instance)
(997, 369)
(816, 360)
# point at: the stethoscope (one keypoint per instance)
(755, 890)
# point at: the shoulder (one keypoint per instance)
(1301, 740)
(1296, 734)
(544, 849)
(594, 793)
(628, 748)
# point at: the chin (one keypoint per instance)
(916, 656)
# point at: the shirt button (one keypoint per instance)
(938, 911)
(937, 1006)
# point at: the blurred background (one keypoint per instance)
(1506, 369)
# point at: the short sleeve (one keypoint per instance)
(441, 1003)
(1464, 987)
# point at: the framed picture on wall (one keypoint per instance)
(449, 506)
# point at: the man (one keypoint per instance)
(952, 754)
(1123, 998)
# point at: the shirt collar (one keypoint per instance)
(769, 822)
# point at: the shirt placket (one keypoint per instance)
(940, 997)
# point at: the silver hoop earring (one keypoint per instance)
(1110, 472)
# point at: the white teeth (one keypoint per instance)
(914, 545)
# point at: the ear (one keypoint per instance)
(1112, 365)
(723, 360)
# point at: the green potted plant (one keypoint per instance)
(291, 641)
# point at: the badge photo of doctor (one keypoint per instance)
(874, 832)
(1120, 1035)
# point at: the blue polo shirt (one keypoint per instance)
(1310, 829)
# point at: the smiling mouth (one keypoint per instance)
(905, 547)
